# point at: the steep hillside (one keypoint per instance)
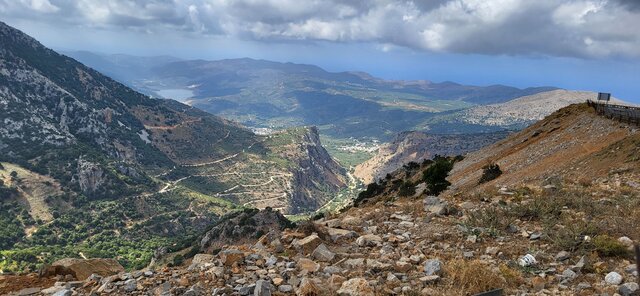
(572, 143)
(262, 93)
(91, 166)
(417, 146)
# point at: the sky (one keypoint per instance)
(574, 44)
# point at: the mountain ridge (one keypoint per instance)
(261, 93)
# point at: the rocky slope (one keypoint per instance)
(573, 143)
(89, 164)
(417, 146)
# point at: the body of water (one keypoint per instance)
(178, 94)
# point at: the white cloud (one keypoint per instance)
(40, 5)
(582, 28)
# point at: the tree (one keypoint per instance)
(436, 175)
(407, 189)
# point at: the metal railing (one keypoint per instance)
(627, 114)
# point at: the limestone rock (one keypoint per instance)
(369, 240)
(629, 289)
(613, 278)
(308, 265)
(432, 267)
(356, 287)
(308, 244)
(323, 254)
(229, 257)
(263, 288)
(81, 269)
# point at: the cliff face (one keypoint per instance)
(417, 146)
(317, 176)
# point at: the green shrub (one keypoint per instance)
(607, 246)
(407, 189)
(436, 175)
(372, 190)
(177, 260)
(490, 172)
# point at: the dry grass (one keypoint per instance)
(470, 277)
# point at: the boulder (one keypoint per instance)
(613, 278)
(354, 263)
(402, 267)
(432, 267)
(63, 292)
(337, 234)
(323, 254)
(263, 288)
(307, 244)
(81, 269)
(562, 255)
(130, 285)
(369, 240)
(629, 289)
(285, 288)
(351, 221)
(436, 205)
(229, 257)
(308, 287)
(308, 265)
(277, 246)
(202, 258)
(356, 287)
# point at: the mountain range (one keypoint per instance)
(261, 93)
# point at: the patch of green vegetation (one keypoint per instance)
(607, 246)
(129, 229)
(348, 152)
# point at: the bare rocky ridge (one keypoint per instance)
(417, 146)
(527, 109)
(573, 142)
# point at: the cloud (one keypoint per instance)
(574, 28)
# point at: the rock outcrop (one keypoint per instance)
(416, 146)
(81, 269)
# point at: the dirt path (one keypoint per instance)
(211, 162)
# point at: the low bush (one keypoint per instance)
(607, 246)
(490, 172)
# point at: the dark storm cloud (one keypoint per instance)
(581, 28)
(630, 4)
